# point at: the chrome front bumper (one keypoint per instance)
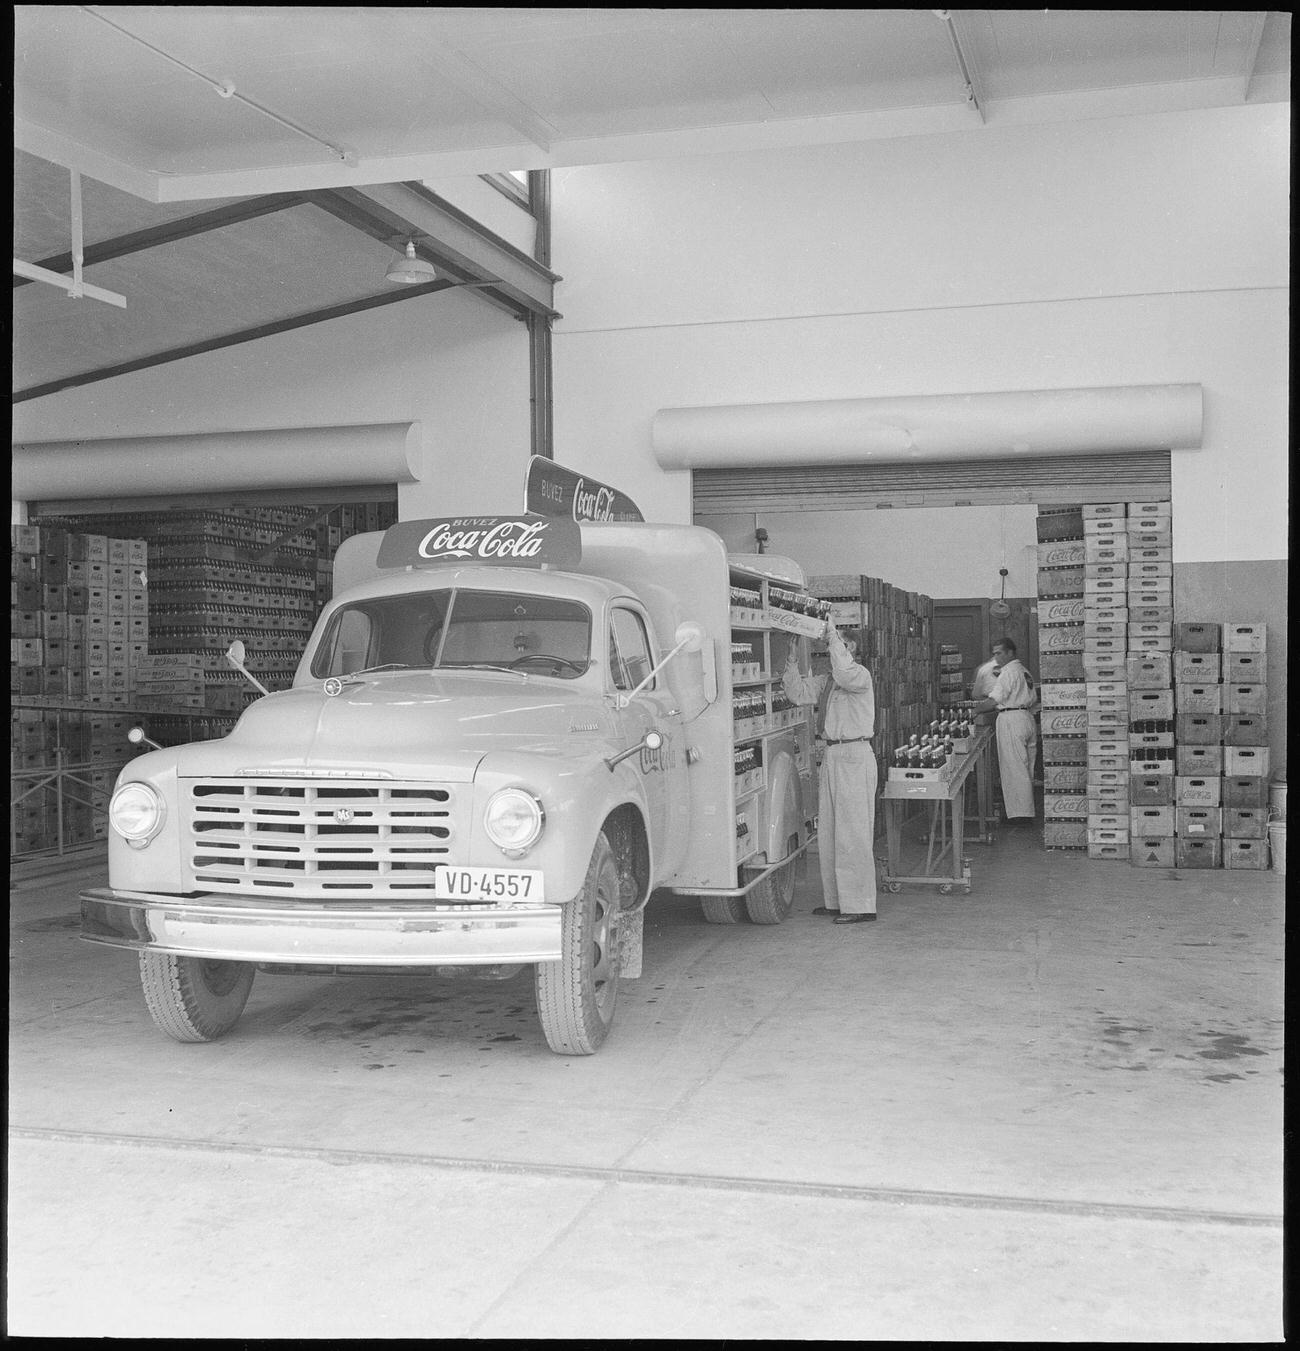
(227, 928)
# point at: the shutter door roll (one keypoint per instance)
(1056, 479)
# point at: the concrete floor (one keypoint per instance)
(1051, 1111)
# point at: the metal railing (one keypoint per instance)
(67, 783)
(67, 787)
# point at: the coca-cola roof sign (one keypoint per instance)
(511, 541)
(553, 490)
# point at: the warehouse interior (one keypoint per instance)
(981, 317)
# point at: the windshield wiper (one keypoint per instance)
(481, 666)
(371, 670)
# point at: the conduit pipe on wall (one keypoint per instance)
(287, 457)
(1034, 422)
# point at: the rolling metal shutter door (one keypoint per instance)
(1056, 480)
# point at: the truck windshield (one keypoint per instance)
(457, 629)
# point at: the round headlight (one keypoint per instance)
(513, 819)
(136, 812)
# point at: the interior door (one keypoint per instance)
(964, 624)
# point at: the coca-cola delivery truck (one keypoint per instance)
(504, 736)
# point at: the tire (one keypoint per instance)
(576, 996)
(192, 999)
(723, 909)
(770, 901)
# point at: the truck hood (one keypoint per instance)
(414, 724)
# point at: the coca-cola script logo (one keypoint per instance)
(1062, 721)
(1059, 555)
(523, 541)
(1068, 637)
(592, 504)
(483, 538)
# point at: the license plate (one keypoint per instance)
(488, 884)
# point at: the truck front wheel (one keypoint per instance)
(577, 994)
(192, 999)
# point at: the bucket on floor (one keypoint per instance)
(1277, 846)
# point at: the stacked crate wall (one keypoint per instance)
(123, 619)
(1222, 792)
(1063, 715)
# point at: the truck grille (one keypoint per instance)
(319, 840)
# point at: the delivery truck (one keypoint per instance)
(505, 736)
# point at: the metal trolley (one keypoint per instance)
(947, 828)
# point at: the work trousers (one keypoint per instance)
(846, 828)
(1017, 735)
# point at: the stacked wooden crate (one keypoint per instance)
(1221, 798)
(1062, 689)
(78, 614)
(1245, 746)
(1153, 824)
(1105, 646)
(257, 573)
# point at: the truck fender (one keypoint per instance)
(784, 815)
(631, 809)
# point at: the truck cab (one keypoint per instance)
(484, 760)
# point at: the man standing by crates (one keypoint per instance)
(846, 799)
(1012, 698)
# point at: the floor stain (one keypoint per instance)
(1228, 1046)
(1123, 1046)
(54, 924)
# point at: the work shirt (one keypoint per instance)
(850, 706)
(982, 683)
(1012, 689)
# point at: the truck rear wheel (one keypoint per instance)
(770, 901)
(192, 999)
(723, 909)
(576, 995)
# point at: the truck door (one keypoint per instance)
(631, 658)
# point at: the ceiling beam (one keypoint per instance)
(170, 231)
(232, 339)
(457, 69)
(448, 238)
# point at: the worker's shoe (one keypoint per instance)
(822, 910)
(853, 919)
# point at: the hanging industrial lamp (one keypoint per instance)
(1000, 609)
(409, 270)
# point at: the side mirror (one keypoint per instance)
(236, 654)
(689, 636)
(137, 737)
(651, 741)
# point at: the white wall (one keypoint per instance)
(1138, 250)
(943, 552)
(449, 361)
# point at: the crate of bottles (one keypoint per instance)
(796, 611)
(750, 774)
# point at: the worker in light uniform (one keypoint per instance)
(1013, 698)
(981, 685)
(846, 805)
